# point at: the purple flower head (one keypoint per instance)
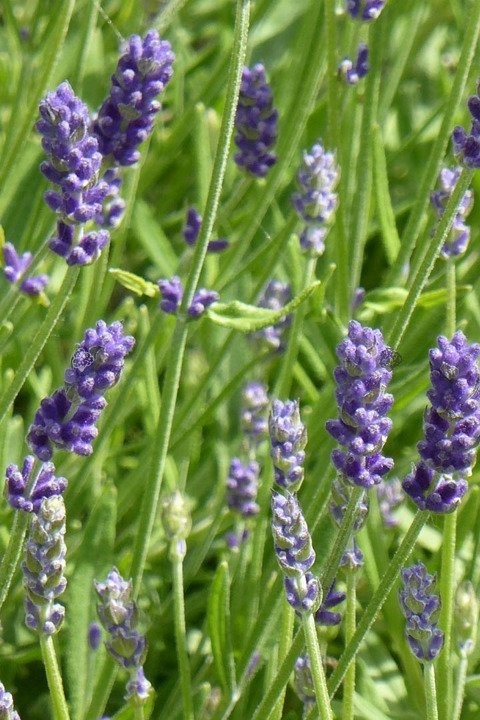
(389, 495)
(459, 235)
(293, 545)
(421, 608)
(288, 437)
(201, 301)
(254, 413)
(172, 294)
(45, 485)
(242, 487)
(303, 681)
(365, 9)
(7, 710)
(98, 361)
(82, 250)
(119, 615)
(127, 116)
(191, 229)
(113, 206)
(324, 614)
(61, 423)
(16, 266)
(275, 295)
(362, 428)
(466, 147)
(302, 592)
(44, 565)
(351, 72)
(316, 200)
(138, 687)
(451, 427)
(255, 123)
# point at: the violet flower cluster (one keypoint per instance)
(459, 235)
(288, 437)
(118, 615)
(421, 608)
(44, 485)
(253, 415)
(67, 419)
(362, 426)
(172, 294)
(15, 268)
(255, 123)
(191, 229)
(242, 487)
(7, 709)
(316, 200)
(466, 146)
(43, 567)
(351, 71)
(451, 427)
(325, 615)
(275, 295)
(365, 10)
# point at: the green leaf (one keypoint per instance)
(218, 617)
(93, 561)
(386, 215)
(250, 318)
(135, 283)
(433, 298)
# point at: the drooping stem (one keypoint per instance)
(316, 667)
(54, 678)
(430, 691)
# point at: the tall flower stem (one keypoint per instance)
(430, 692)
(447, 591)
(349, 683)
(180, 635)
(460, 688)
(341, 540)
(288, 620)
(54, 678)
(172, 377)
(316, 666)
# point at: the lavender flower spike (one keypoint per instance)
(421, 608)
(316, 200)
(255, 123)
(352, 73)
(127, 116)
(7, 710)
(365, 10)
(275, 295)
(242, 487)
(45, 485)
(362, 428)
(451, 427)
(44, 565)
(254, 413)
(459, 235)
(172, 294)
(16, 266)
(288, 437)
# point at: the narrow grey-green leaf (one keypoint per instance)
(218, 617)
(135, 283)
(386, 215)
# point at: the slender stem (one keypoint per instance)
(447, 591)
(138, 713)
(288, 619)
(460, 688)
(11, 557)
(180, 635)
(378, 598)
(316, 667)
(38, 342)
(172, 377)
(421, 272)
(341, 540)
(54, 678)
(430, 692)
(349, 683)
(451, 322)
(102, 689)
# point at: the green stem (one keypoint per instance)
(316, 667)
(341, 540)
(460, 688)
(447, 591)
(286, 633)
(421, 272)
(102, 689)
(172, 377)
(378, 598)
(430, 692)
(11, 557)
(37, 343)
(54, 678)
(349, 683)
(432, 169)
(451, 322)
(180, 634)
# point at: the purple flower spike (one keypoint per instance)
(255, 123)
(303, 592)
(303, 682)
(254, 413)
(16, 266)
(421, 608)
(352, 73)
(293, 545)
(172, 294)
(324, 614)
(362, 428)
(113, 206)
(46, 485)
(202, 300)
(365, 10)
(7, 710)
(127, 116)
(83, 251)
(275, 295)
(459, 235)
(288, 437)
(191, 229)
(451, 427)
(242, 487)
(98, 361)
